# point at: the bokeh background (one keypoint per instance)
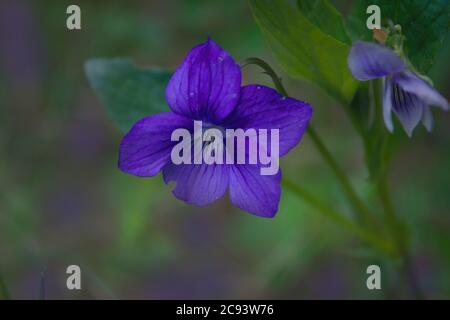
(63, 201)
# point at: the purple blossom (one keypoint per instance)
(404, 92)
(207, 87)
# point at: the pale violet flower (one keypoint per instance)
(404, 92)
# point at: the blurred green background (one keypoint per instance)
(63, 201)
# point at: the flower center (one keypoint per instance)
(208, 137)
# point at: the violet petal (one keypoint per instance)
(369, 61)
(199, 184)
(146, 148)
(387, 103)
(408, 108)
(253, 192)
(206, 86)
(262, 107)
(410, 82)
(427, 119)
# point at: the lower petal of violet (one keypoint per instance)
(427, 119)
(253, 192)
(198, 184)
(408, 108)
(412, 83)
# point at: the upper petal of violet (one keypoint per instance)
(369, 61)
(206, 85)
(262, 107)
(146, 148)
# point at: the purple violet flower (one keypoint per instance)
(207, 87)
(404, 92)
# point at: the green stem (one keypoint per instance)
(358, 204)
(4, 294)
(389, 212)
(395, 228)
(360, 207)
(397, 232)
(365, 235)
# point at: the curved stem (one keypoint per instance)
(360, 207)
(341, 219)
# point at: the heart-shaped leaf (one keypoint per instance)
(127, 92)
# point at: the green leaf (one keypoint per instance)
(424, 23)
(127, 92)
(325, 16)
(303, 50)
